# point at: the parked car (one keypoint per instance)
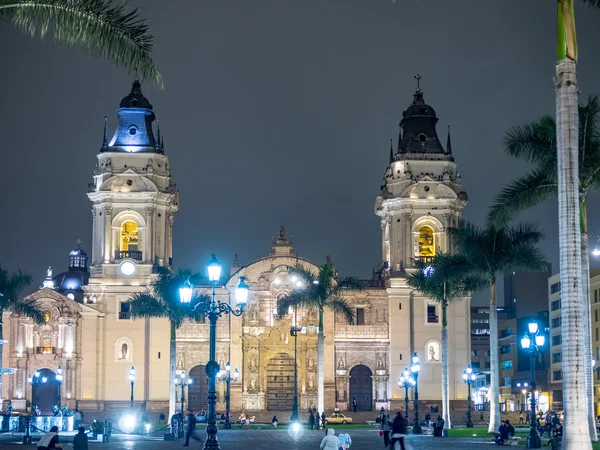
(338, 418)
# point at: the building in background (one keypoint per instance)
(526, 293)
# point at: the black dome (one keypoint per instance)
(135, 99)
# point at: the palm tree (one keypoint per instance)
(536, 143)
(573, 316)
(434, 281)
(100, 27)
(321, 290)
(163, 301)
(11, 285)
(486, 253)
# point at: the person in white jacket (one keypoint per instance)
(331, 441)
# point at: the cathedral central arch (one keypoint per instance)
(280, 382)
(198, 390)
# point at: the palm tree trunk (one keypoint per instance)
(494, 365)
(321, 365)
(587, 334)
(1, 354)
(172, 365)
(445, 381)
(576, 428)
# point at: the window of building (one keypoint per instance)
(556, 322)
(507, 364)
(596, 333)
(556, 357)
(475, 352)
(556, 340)
(360, 316)
(596, 316)
(595, 295)
(426, 242)
(505, 349)
(506, 332)
(555, 305)
(557, 375)
(554, 288)
(488, 364)
(129, 236)
(508, 381)
(487, 353)
(475, 365)
(124, 311)
(431, 314)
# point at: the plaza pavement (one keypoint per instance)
(265, 439)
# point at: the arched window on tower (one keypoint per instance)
(129, 236)
(426, 243)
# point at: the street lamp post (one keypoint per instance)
(406, 381)
(226, 376)
(132, 380)
(214, 309)
(531, 342)
(415, 368)
(35, 380)
(469, 378)
(294, 330)
(184, 381)
(59, 380)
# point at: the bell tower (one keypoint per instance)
(133, 198)
(420, 195)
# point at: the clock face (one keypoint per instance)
(127, 268)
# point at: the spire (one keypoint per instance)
(418, 95)
(105, 139)
(48, 282)
(391, 152)
(448, 143)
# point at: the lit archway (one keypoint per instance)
(361, 387)
(129, 238)
(426, 241)
(45, 395)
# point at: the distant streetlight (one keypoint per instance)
(227, 377)
(406, 381)
(469, 377)
(415, 368)
(59, 380)
(184, 381)
(132, 380)
(531, 342)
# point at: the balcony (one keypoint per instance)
(371, 284)
(432, 318)
(131, 254)
(124, 315)
(45, 350)
(424, 259)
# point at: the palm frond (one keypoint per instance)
(522, 194)
(350, 284)
(592, 3)
(341, 306)
(300, 298)
(535, 142)
(29, 308)
(11, 286)
(102, 28)
(524, 234)
(144, 304)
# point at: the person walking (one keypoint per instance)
(274, 421)
(323, 419)
(77, 418)
(521, 417)
(345, 441)
(191, 425)
(399, 430)
(354, 404)
(49, 441)
(311, 420)
(330, 441)
(385, 427)
(80, 441)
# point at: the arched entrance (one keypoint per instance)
(198, 391)
(280, 383)
(45, 395)
(361, 388)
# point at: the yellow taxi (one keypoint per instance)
(338, 418)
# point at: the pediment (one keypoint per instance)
(128, 181)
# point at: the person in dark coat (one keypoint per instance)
(399, 430)
(354, 404)
(385, 428)
(311, 420)
(323, 419)
(191, 425)
(80, 441)
(49, 441)
(439, 426)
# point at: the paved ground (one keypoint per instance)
(362, 439)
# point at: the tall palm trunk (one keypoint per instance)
(576, 428)
(494, 365)
(172, 365)
(321, 365)
(445, 381)
(585, 264)
(1, 354)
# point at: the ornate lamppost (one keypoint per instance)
(406, 381)
(184, 381)
(531, 342)
(213, 309)
(227, 376)
(294, 330)
(59, 380)
(415, 368)
(132, 381)
(469, 377)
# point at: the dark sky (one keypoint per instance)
(279, 111)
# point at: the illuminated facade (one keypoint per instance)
(93, 337)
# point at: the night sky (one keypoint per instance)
(279, 111)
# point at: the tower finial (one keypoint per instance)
(391, 152)
(105, 139)
(78, 242)
(418, 78)
(448, 143)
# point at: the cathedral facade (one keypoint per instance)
(90, 335)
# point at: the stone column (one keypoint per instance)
(95, 249)
(447, 239)
(408, 241)
(108, 234)
(76, 392)
(149, 247)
